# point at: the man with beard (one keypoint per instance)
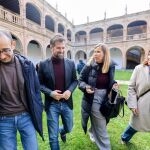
(58, 80)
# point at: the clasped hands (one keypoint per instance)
(57, 94)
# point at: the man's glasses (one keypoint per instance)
(5, 50)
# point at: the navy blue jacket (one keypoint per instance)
(47, 80)
(32, 88)
(80, 66)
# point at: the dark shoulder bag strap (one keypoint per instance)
(144, 93)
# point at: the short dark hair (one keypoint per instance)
(4, 32)
(56, 38)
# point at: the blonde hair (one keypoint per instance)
(106, 60)
(145, 62)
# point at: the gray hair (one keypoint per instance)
(56, 38)
(6, 33)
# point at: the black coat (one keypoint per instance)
(87, 77)
(47, 80)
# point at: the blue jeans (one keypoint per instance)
(55, 110)
(8, 132)
(128, 134)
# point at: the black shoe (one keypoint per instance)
(63, 137)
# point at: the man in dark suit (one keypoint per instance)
(58, 80)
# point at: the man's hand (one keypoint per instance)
(56, 95)
(135, 111)
(66, 95)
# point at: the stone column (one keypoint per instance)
(43, 29)
(87, 37)
(105, 35)
(72, 37)
(65, 33)
(125, 33)
(56, 27)
(23, 12)
(148, 28)
(124, 58)
(43, 21)
(25, 51)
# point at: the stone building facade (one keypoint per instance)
(34, 22)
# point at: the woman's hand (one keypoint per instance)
(115, 86)
(89, 90)
(135, 111)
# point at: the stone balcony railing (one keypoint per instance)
(11, 17)
(114, 39)
(137, 36)
(48, 32)
(33, 26)
(16, 19)
(95, 41)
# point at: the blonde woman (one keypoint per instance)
(95, 81)
(138, 101)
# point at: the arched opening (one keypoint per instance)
(134, 56)
(19, 48)
(81, 37)
(137, 30)
(32, 13)
(49, 23)
(69, 54)
(48, 52)
(115, 33)
(34, 51)
(80, 55)
(96, 34)
(12, 5)
(91, 53)
(61, 29)
(69, 35)
(116, 56)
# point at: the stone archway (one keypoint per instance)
(34, 51)
(13, 5)
(116, 56)
(33, 13)
(19, 47)
(69, 54)
(48, 52)
(80, 36)
(96, 34)
(49, 23)
(61, 28)
(91, 53)
(134, 56)
(80, 55)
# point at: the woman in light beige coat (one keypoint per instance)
(138, 100)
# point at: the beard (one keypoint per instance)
(59, 56)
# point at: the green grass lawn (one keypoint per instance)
(77, 140)
(123, 75)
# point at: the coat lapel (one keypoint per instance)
(51, 70)
(66, 67)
